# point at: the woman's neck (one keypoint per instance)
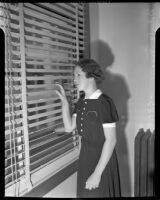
(90, 90)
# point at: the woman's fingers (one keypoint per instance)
(61, 88)
(62, 97)
(91, 186)
(59, 94)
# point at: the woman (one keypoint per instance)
(95, 118)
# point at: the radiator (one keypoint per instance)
(144, 164)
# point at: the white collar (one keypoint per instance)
(95, 94)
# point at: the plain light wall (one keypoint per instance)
(120, 42)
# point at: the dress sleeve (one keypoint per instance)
(108, 111)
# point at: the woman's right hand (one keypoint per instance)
(61, 94)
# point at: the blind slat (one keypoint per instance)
(36, 116)
(18, 129)
(67, 6)
(49, 70)
(54, 8)
(58, 151)
(51, 142)
(50, 13)
(43, 78)
(47, 41)
(14, 17)
(51, 150)
(46, 18)
(68, 32)
(50, 49)
(16, 121)
(44, 121)
(44, 107)
(42, 100)
(49, 63)
(51, 158)
(50, 34)
(16, 113)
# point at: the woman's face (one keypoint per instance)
(80, 79)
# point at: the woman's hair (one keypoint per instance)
(91, 68)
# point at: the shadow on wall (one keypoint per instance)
(115, 86)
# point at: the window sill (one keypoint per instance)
(57, 170)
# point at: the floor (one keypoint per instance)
(67, 189)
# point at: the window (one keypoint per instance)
(42, 40)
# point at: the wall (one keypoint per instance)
(120, 42)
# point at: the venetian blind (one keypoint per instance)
(42, 42)
(50, 49)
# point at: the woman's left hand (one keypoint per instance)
(93, 181)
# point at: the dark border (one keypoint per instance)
(157, 114)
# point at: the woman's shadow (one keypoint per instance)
(115, 86)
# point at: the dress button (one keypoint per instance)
(81, 124)
(85, 102)
(84, 108)
(81, 130)
(82, 113)
(81, 118)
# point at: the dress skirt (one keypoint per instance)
(110, 182)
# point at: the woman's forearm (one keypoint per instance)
(66, 117)
(106, 154)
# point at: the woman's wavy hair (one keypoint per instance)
(91, 68)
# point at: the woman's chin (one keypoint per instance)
(79, 89)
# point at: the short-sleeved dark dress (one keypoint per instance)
(91, 114)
